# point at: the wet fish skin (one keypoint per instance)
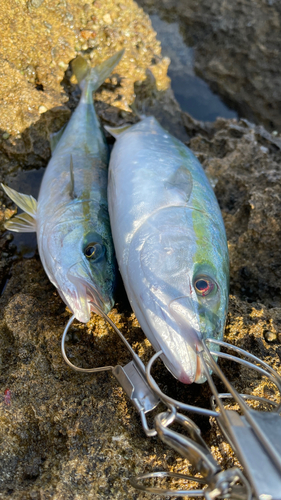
(170, 243)
(71, 216)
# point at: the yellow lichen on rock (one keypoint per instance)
(21, 103)
(129, 28)
(38, 40)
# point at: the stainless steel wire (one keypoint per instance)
(257, 428)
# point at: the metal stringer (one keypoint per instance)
(255, 435)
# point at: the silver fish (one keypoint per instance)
(71, 217)
(170, 243)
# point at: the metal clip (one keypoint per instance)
(193, 448)
(256, 435)
(219, 484)
(137, 389)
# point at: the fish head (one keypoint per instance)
(93, 276)
(200, 313)
(180, 288)
(81, 264)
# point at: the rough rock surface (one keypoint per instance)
(38, 39)
(64, 435)
(237, 50)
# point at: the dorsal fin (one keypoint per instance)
(117, 131)
(72, 191)
(55, 138)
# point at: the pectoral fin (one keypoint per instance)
(72, 192)
(24, 201)
(25, 222)
(22, 223)
(181, 181)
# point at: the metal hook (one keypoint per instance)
(131, 377)
(222, 485)
(267, 371)
(136, 358)
(74, 367)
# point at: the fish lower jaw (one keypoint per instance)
(181, 376)
(83, 318)
(184, 375)
(91, 304)
(186, 379)
(196, 376)
(187, 375)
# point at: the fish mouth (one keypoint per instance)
(84, 296)
(95, 299)
(200, 376)
(184, 313)
(197, 375)
(184, 359)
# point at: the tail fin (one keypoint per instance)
(91, 79)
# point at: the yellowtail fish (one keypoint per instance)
(71, 216)
(170, 243)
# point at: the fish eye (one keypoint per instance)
(94, 250)
(204, 285)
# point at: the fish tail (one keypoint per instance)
(101, 72)
(90, 79)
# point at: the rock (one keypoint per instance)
(64, 434)
(237, 50)
(35, 3)
(41, 41)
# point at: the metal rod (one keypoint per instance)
(165, 491)
(124, 340)
(247, 413)
(246, 354)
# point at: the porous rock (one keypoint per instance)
(237, 50)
